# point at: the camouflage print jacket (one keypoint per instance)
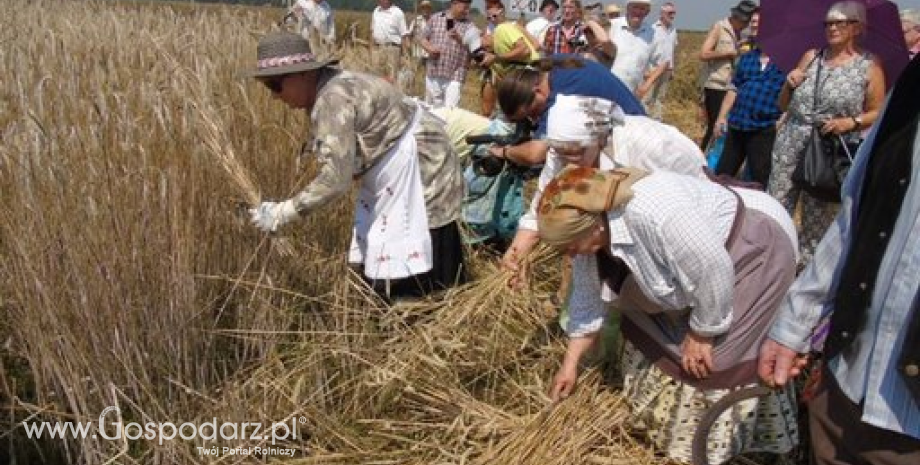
(357, 119)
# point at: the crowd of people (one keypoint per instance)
(716, 286)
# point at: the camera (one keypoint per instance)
(450, 24)
(478, 55)
(578, 42)
(487, 165)
(484, 164)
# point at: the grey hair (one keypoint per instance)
(854, 11)
(911, 16)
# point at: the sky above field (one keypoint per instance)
(697, 14)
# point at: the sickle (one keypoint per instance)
(698, 447)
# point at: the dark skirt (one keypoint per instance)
(448, 268)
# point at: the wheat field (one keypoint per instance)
(130, 278)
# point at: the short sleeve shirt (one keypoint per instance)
(503, 40)
(635, 51)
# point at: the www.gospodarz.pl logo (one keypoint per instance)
(109, 427)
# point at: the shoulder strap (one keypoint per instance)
(814, 98)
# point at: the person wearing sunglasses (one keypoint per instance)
(406, 239)
(845, 102)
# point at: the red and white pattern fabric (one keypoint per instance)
(391, 235)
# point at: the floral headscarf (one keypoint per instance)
(577, 199)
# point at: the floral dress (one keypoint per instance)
(841, 93)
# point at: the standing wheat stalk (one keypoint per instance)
(226, 158)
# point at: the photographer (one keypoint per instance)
(529, 93)
(494, 200)
(448, 54)
(511, 44)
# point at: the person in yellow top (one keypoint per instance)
(511, 44)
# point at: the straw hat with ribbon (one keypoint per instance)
(280, 53)
(576, 200)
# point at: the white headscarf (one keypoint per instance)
(583, 120)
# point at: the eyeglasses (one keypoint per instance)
(613, 15)
(670, 13)
(274, 85)
(839, 23)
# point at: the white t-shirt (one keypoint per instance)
(537, 27)
(388, 26)
(317, 16)
(665, 43)
(635, 51)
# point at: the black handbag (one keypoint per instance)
(825, 160)
(823, 165)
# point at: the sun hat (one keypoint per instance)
(642, 2)
(612, 8)
(424, 4)
(280, 53)
(744, 10)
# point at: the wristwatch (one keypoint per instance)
(858, 121)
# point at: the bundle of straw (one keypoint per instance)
(226, 158)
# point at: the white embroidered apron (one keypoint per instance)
(390, 236)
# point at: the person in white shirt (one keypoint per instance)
(388, 34)
(316, 21)
(697, 274)
(537, 27)
(636, 47)
(663, 62)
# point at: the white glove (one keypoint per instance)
(269, 216)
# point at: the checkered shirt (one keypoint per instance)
(758, 90)
(555, 40)
(454, 58)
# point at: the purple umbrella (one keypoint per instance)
(789, 29)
